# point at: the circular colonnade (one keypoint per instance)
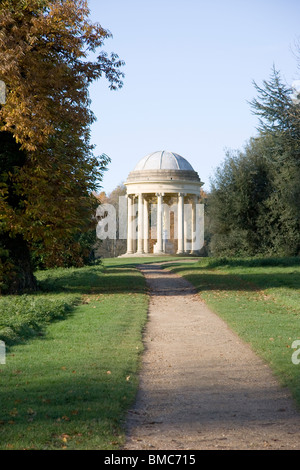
(163, 194)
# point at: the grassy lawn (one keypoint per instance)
(72, 360)
(73, 355)
(73, 348)
(260, 300)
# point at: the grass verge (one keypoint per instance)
(260, 300)
(70, 386)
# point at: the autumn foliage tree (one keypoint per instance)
(48, 170)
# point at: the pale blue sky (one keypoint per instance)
(189, 71)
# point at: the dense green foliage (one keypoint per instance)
(254, 205)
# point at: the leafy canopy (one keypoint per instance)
(45, 49)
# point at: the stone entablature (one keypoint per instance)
(163, 175)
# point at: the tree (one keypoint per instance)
(279, 115)
(279, 119)
(254, 205)
(48, 169)
(236, 202)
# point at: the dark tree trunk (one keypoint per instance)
(23, 279)
(13, 248)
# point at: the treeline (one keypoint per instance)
(253, 207)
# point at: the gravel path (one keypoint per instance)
(201, 387)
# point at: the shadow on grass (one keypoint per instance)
(91, 281)
(242, 282)
(208, 278)
(82, 407)
(67, 412)
(254, 262)
(60, 290)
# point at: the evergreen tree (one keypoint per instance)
(254, 206)
(236, 202)
(279, 118)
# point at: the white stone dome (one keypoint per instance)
(163, 160)
(163, 171)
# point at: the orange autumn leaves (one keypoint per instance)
(44, 47)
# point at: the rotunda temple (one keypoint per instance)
(163, 193)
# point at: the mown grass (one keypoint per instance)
(72, 360)
(73, 348)
(60, 290)
(260, 300)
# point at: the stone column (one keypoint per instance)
(146, 226)
(140, 248)
(166, 226)
(195, 235)
(159, 231)
(180, 216)
(129, 225)
(186, 232)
